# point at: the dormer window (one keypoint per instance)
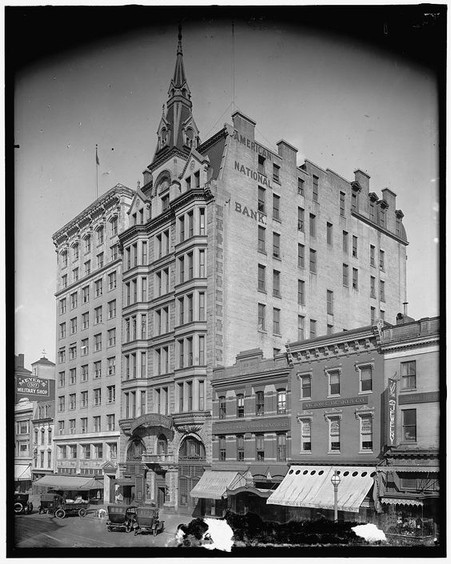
(165, 202)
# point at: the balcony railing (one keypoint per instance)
(158, 458)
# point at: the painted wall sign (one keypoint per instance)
(252, 426)
(359, 400)
(252, 145)
(260, 217)
(33, 386)
(258, 176)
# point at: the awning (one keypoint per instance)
(22, 472)
(70, 483)
(400, 501)
(311, 486)
(213, 484)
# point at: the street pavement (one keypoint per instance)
(39, 531)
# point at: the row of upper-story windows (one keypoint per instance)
(135, 327)
(41, 433)
(83, 399)
(88, 243)
(97, 315)
(97, 343)
(235, 407)
(86, 294)
(39, 461)
(234, 448)
(135, 365)
(190, 224)
(83, 372)
(334, 380)
(86, 451)
(88, 267)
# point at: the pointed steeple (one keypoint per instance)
(177, 128)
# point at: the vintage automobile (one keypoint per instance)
(120, 517)
(50, 502)
(147, 520)
(22, 503)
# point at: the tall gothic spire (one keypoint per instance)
(177, 127)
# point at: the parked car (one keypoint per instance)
(50, 502)
(147, 520)
(120, 517)
(22, 503)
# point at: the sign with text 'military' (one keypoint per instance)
(32, 386)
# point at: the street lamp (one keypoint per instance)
(335, 479)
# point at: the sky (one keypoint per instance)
(344, 101)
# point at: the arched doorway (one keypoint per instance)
(191, 467)
(135, 451)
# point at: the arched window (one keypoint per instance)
(162, 445)
(191, 449)
(135, 451)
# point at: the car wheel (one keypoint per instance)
(60, 513)
(82, 512)
(18, 507)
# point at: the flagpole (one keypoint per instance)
(97, 173)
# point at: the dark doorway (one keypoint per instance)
(161, 496)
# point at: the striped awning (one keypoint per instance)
(70, 483)
(213, 484)
(400, 501)
(311, 486)
(423, 469)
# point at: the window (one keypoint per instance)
(276, 206)
(64, 281)
(261, 278)
(334, 434)
(366, 378)
(366, 432)
(372, 255)
(84, 399)
(84, 373)
(382, 260)
(87, 267)
(165, 202)
(342, 204)
(330, 302)
(111, 366)
(315, 188)
(300, 187)
(276, 283)
(100, 260)
(240, 405)
(98, 369)
(301, 327)
(222, 448)
(354, 246)
(75, 272)
(306, 387)
(72, 401)
(329, 233)
(201, 306)
(281, 447)
(62, 355)
(306, 435)
(61, 379)
(355, 279)
(62, 331)
(98, 315)
(86, 450)
(181, 269)
(312, 261)
(190, 266)
(260, 403)
(76, 251)
(96, 421)
(261, 317)
(240, 447)
(60, 427)
(62, 306)
(301, 256)
(260, 447)
(301, 292)
(261, 199)
(189, 342)
(222, 407)
(276, 245)
(202, 263)
(182, 228)
(354, 201)
(112, 280)
(110, 422)
(201, 395)
(261, 239)
(345, 275)
(276, 321)
(72, 431)
(97, 396)
(72, 351)
(372, 315)
(345, 242)
(281, 401)
(334, 382)
(201, 221)
(73, 376)
(111, 337)
(98, 342)
(73, 300)
(190, 224)
(276, 172)
(98, 285)
(409, 375)
(382, 290)
(301, 220)
(409, 425)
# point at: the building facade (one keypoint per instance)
(412, 470)
(88, 351)
(227, 245)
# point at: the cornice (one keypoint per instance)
(357, 215)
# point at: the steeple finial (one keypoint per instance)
(179, 46)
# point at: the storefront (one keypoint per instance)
(91, 489)
(22, 477)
